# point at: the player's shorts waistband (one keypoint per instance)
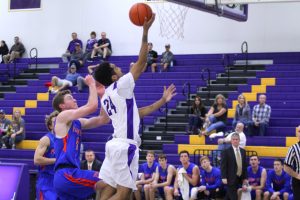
(130, 141)
(63, 166)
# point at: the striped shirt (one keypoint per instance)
(292, 158)
(261, 113)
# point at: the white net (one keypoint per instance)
(171, 18)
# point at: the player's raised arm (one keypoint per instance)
(167, 96)
(139, 65)
(67, 115)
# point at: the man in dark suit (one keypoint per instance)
(234, 167)
(90, 163)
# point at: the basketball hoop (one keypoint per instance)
(171, 18)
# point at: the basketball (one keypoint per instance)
(138, 12)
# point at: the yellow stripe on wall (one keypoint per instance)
(263, 151)
(195, 139)
(42, 96)
(30, 103)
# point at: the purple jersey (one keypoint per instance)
(67, 149)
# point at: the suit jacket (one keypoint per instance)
(229, 165)
(95, 167)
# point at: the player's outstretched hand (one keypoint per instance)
(169, 93)
(89, 80)
(148, 23)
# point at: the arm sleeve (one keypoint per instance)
(125, 86)
(236, 113)
(289, 159)
(224, 164)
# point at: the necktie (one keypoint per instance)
(238, 162)
(89, 167)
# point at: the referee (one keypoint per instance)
(292, 166)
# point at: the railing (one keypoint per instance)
(188, 96)
(244, 49)
(165, 110)
(226, 64)
(208, 81)
(34, 50)
(215, 155)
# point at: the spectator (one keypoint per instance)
(71, 47)
(151, 58)
(103, 47)
(89, 46)
(197, 116)
(233, 167)
(242, 112)
(16, 131)
(257, 176)
(164, 179)
(216, 117)
(148, 170)
(211, 182)
(278, 182)
(16, 51)
(4, 125)
(167, 58)
(189, 172)
(77, 57)
(3, 50)
(62, 84)
(90, 162)
(260, 116)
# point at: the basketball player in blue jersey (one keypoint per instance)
(257, 176)
(70, 182)
(44, 157)
(148, 170)
(278, 185)
(164, 179)
(190, 172)
(211, 182)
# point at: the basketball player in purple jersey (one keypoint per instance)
(120, 167)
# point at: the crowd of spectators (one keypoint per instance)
(235, 179)
(255, 123)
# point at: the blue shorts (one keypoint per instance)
(49, 194)
(73, 183)
(45, 189)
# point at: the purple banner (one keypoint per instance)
(9, 181)
(25, 4)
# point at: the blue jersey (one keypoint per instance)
(212, 180)
(163, 174)
(280, 183)
(44, 184)
(189, 171)
(254, 178)
(148, 171)
(67, 149)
